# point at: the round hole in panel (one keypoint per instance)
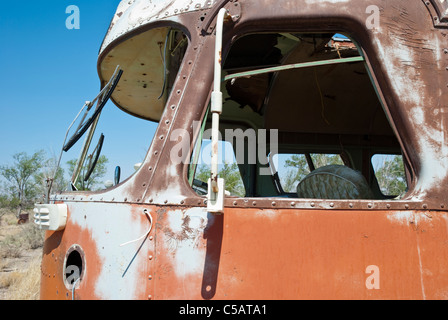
(74, 266)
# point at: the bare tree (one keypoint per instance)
(50, 174)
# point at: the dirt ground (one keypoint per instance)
(20, 256)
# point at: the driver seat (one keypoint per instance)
(334, 182)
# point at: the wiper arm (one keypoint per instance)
(103, 97)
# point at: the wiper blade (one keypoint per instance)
(82, 128)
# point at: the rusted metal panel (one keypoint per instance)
(255, 254)
(113, 265)
(274, 248)
(439, 12)
(132, 15)
(407, 58)
(287, 254)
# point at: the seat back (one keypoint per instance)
(334, 182)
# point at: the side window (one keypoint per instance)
(228, 169)
(390, 174)
(293, 168)
(303, 117)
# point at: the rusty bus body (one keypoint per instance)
(153, 237)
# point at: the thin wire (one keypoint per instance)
(146, 234)
(321, 98)
(74, 287)
(86, 104)
(163, 55)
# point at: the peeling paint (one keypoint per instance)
(109, 227)
(408, 217)
(421, 269)
(418, 115)
(403, 63)
(320, 250)
(184, 231)
(139, 12)
(394, 57)
(172, 194)
(403, 217)
(271, 214)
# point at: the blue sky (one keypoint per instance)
(48, 72)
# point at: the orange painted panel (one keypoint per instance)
(251, 254)
(294, 254)
(114, 265)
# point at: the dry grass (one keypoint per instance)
(8, 279)
(17, 239)
(7, 218)
(24, 285)
(20, 258)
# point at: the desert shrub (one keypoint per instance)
(11, 247)
(29, 237)
(33, 236)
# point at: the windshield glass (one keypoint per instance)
(104, 145)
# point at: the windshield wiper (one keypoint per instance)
(102, 98)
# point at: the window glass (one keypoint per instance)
(293, 168)
(227, 169)
(121, 133)
(390, 174)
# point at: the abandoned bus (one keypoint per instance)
(334, 119)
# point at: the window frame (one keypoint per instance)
(381, 94)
